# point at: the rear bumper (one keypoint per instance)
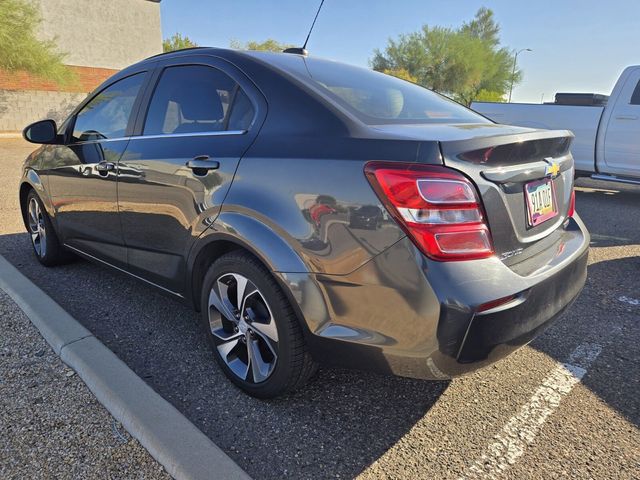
(495, 334)
(404, 314)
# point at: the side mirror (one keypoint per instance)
(44, 131)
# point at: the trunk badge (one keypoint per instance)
(552, 169)
(511, 253)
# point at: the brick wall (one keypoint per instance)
(86, 79)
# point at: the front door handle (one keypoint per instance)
(202, 164)
(105, 166)
(627, 117)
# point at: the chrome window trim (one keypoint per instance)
(192, 134)
(216, 133)
(99, 140)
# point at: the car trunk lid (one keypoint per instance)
(501, 161)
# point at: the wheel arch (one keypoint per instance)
(211, 246)
(230, 233)
(25, 188)
(32, 181)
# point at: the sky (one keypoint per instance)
(578, 45)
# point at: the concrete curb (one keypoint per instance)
(183, 450)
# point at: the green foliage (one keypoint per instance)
(401, 73)
(459, 63)
(269, 45)
(489, 96)
(177, 42)
(20, 49)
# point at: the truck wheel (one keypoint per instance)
(252, 329)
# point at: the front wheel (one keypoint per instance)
(44, 240)
(252, 329)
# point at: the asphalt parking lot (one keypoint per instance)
(521, 418)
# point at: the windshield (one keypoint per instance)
(376, 98)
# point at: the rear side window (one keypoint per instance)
(635, 98)
(194, 99)
(107, 114)
(242, 112)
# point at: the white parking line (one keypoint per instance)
(521, 430)
(630, 301)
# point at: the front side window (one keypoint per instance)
(107, 114)
(196, 99)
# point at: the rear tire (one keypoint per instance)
(44, 239)
(252, 329)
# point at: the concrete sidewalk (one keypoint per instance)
(51, 424)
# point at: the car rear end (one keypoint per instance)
(501, 245)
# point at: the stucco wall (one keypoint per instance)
(102, 33)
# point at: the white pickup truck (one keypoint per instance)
(606, 129)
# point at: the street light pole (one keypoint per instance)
(513, 72)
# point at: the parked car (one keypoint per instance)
(206, 164)
(607, 129)
(368, 217)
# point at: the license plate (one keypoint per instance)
(541, 201)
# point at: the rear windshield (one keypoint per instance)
(377, 98)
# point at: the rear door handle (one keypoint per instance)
(105, 166)
(627, 117)
(203, 164)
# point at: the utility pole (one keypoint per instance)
(513, 72)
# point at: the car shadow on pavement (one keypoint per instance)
(600, 317)
(336, 426)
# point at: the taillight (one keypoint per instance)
(572, 204)
(438, 207)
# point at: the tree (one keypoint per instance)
(21, 50)
(489, 96)
(401, 73)
(269, 45)
(483, 27)
(460, 63)
(177, 42)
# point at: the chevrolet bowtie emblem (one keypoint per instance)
(552, 170)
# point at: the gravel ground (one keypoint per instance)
(347, 424)
(51, 424)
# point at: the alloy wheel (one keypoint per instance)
(37, 228)
(243, 328)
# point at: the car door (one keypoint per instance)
(200, 118)
(622, 138)
(82, 178)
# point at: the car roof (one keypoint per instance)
(221, 52)
(282, 61)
